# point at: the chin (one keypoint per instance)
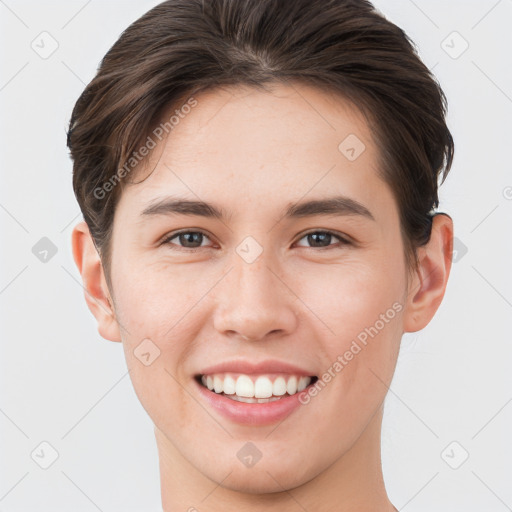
(263, 479)
(252, 484)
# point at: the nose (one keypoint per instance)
(253, 302)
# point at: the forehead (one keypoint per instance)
(247, 147)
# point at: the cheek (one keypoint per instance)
(360, 308)
(348, 298)
(157, 301)
(157, 310)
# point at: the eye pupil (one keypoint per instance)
(322, 236)
(190, 236)
(194, 239)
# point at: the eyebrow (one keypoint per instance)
(337, 206)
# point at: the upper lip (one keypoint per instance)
(246, 367)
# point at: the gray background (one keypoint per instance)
(62, 384)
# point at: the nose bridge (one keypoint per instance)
(256, 278)
(252, 272)
(252, 301)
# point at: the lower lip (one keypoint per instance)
(251, 414)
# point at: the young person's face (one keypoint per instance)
(307, 301)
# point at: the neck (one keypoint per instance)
(352, 482)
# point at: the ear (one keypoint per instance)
(96, 291)
(426, 290)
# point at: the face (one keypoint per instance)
(269, 288)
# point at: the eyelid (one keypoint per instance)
(342, 238)
(169, 236)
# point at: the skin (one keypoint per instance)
(252, 153)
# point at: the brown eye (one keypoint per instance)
(323, 239)
(186, 239)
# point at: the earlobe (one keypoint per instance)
(96, 292)
(428, 288)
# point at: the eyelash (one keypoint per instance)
(342, 240)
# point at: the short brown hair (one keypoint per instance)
(182, 47)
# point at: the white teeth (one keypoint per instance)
(245, 388)
(303, 383)
(253, 400)
(279, 387)
(217, 384)
(291, 386)
(229, 385)
(263, 387)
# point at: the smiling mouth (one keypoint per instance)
(255, 388)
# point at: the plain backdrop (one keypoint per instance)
(446, 442)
